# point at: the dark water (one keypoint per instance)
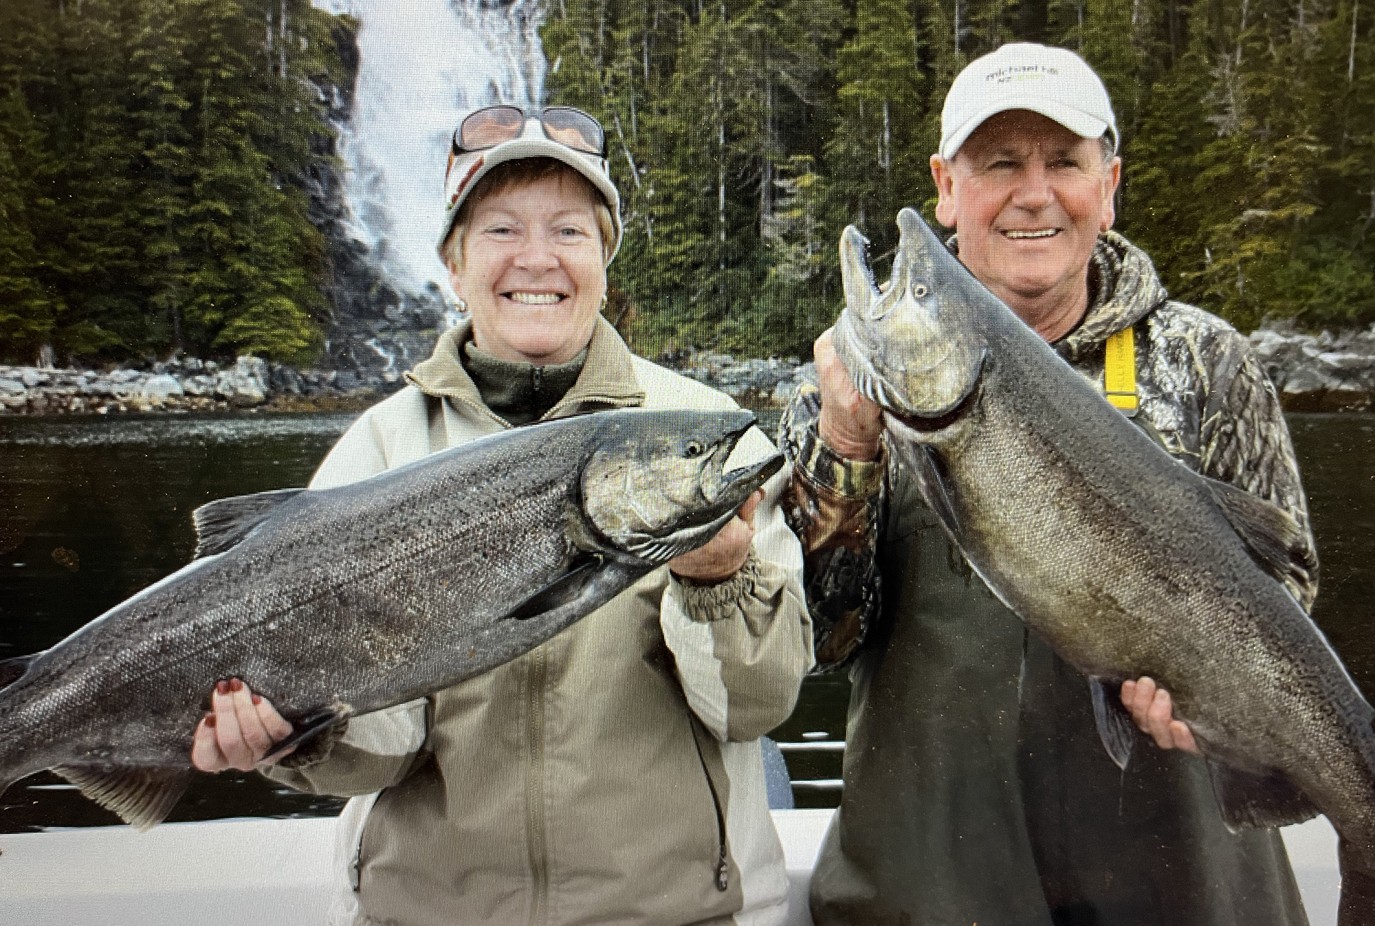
(92, 510)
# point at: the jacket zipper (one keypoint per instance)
(722, 858)
(534, 789)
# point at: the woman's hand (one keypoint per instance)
(1153, 711)
(240, 730)
(849, 424)
(722, 556)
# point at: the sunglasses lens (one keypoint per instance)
(490, 126)
(573, 128)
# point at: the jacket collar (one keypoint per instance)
(1123, 289)
(607, 379)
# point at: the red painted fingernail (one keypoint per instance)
(257, 698)
(236, 684)
(222, 686)
(210, 721)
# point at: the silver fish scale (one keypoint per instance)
(1121, 557)
(432, 556)
(1015, 481)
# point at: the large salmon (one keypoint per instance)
(341, 601)
(1125, 561)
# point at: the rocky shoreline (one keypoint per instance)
(1313, 373)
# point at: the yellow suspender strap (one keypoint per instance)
(1119, 371)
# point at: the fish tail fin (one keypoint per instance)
(12, 670)
(1357, 907)
(142, 797)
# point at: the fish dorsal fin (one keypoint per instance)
(142, 797)
(1276, 541)
(12, 670)
(1251, 799)
(1115, 726)
(223, 523)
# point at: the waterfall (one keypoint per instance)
(424, 64)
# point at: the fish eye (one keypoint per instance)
(919, 290)
(693, 449)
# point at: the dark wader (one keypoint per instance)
(967, 804)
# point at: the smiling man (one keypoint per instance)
(976, 787)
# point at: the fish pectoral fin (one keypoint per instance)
(1115, 726)
(305, 730)
(141, 796)
(12, 670)
(223, 523)
(573, 584)
(931, 476)
(1357, 868)
(1257, 799)
(1276, 541)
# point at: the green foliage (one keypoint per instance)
(151, 160)
(151, 156)
(27, 311)
(757, 131)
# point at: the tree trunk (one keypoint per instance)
(766, 161)
(281, 34)
(1351, 53)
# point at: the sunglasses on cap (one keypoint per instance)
(493, 125)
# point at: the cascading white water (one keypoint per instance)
(424, 65)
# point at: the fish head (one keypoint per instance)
(914, 346)
(657, 484)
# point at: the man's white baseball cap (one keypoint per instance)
(1054, 82)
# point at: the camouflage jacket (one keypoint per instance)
(1203, 396)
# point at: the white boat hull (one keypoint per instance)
(281, 872)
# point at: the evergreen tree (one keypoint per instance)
(95, 259)
(876, 163)
(160, 176)
(27, 314)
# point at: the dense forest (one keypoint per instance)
(153, 160)
(154, 157)
(748, 133)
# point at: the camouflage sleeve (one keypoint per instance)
(1245, 441)
(834, 506)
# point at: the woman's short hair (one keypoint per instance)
(513, 174)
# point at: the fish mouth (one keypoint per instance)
(857, 356)
(694, 530)
(653, 495)
(899, 344)
(931, 422)
(726, 490)
(741, 482)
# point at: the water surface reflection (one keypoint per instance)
(94, 509)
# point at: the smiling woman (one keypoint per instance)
(527, 258)
(513, 796)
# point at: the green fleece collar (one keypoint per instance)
(520, 392)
